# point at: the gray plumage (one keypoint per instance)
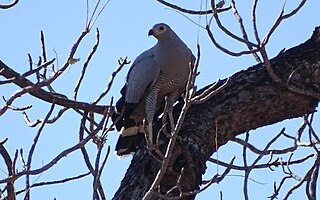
(162, 71)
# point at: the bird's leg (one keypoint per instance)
(150, 110)
(169, 105)
(164, 118)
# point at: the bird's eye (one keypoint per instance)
(161, 28)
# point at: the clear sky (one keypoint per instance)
(123, 26)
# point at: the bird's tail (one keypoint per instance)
(129, 140)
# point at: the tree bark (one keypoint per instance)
(250, 100)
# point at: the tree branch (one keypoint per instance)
(251, 99)
(49, 97)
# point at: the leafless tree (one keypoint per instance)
(284, 87)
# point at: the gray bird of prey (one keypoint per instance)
(159, 73)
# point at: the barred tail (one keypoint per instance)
(129, 140)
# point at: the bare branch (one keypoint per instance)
(275, 163)
(279, 20)
(243, 31)
(91, 22)
(175, 7)
(216, 44)
(65, 180)
(44, 54)
(32, 149)
(227, 32)
(311, 186)
(11, 169)
(14, 108)
(307, 176)
(85, 65)
(215, 179)
(26, 74)
(254, 21)
(36, 91)
(47, 166)
(210, 92)
(122, 63)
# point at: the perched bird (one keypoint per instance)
(159, 73)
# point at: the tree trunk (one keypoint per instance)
(250, 100)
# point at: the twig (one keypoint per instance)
(243, 31)
(311, 186)
(32, 149)
(193, 12)
(254, 21)
(28, 73)
(84, 151)
(216, 44)
(96, 182)
(36, 91)
(11, 169)
(38, 121)
(308, 174)
(209, 93)
(227, 32)
(91, 22)
(47, 166)
(122, 63)
(32, 87)
(14, 108)
(55, 182)
(85, 65)
(215, 179)
(279, 20)
(44, 55)
(246, 172)
(275, 163)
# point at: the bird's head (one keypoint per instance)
(159, 30)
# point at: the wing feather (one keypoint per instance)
(143, 72)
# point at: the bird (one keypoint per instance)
(156, 78)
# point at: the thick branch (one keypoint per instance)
(250, 100)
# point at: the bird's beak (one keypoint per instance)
(150, 32)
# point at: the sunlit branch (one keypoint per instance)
(10, 168)
(227, 32)
(122, 63)
(32, 149)
(193, 12)
(85, 65)
(254, 21)
(279, 20)
(26, 74)
(305, 178)
(243, 31)
(65, 180)
(275, 163)
(216, 44)
(38, 121)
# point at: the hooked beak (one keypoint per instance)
(150, 32)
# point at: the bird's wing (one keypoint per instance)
(143, 72)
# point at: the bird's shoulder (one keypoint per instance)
(145, 61)
(148, 54)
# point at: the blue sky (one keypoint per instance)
(123, 26)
